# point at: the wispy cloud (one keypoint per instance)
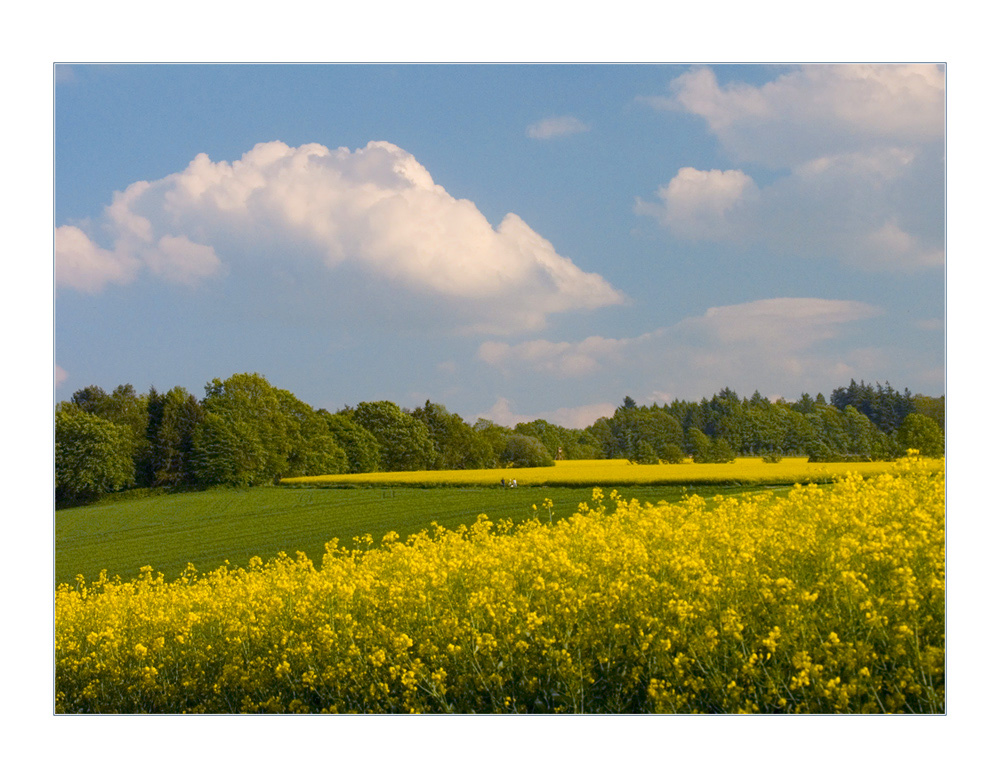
(556, 127)
(375, 213)
(795, 338)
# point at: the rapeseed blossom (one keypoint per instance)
(827, 600)
(612, 472)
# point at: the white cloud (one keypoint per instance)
(60, 375)
(794, 340)
(181, 260)
(858, 209)
(816, 109)
(701, 203)
(556, 127)
(564, 359)
(80, 264)
(375, 210)
(501, 413)
(861, 154)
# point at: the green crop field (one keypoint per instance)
(208, 528)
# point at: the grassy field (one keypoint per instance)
(208, 528)
(616, 472)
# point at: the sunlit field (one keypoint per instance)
(821, 601)
(616, 472)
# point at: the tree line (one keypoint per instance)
(246, 432)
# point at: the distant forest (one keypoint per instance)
(245, 431)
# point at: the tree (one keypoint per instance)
(632, 426)
(173, 418)
(922, 433)
(600, 432)
(312, 448)
(227, 451)
(719, 451)
(930, 406)
(882, 404)
(673, 454)
(246, 426)
(643, 454)
(456, 444)
(126, 409)
(799, 433)
(697, 445)
(358, 443)
(495, 436)
(525, 451)
(92, 455)
(404, 443)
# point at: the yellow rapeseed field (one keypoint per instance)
(613, 472)
(827, 600)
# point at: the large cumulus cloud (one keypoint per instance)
(375, 211)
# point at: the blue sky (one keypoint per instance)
(513, 241)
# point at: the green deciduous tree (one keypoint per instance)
(246, 437)
(358, 443)
(922, 433)
(525, 451)
(719, 451)
(128, 410)
(696, 443)
(92, 454)
(456, 444)
(312, 447)
(404, 443)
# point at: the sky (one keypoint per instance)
(513, 241)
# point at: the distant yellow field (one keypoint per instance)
(614, 472)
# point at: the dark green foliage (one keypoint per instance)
(720, 452)
(697, 444)
(525, 451)
(227, 452)
(358, 443)
(247, 432)
(922, 433)
(404, 443)
(312, 448)
(173, 418)
(92, 454)
(882, 404)
(930, 406)
(643, 454)
(246, 437)
(799, 435)
(456, 444)
(561, 442)
(495, 436)
(126, 409)
(672, 454)
(631, 426)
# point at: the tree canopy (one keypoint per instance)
(245, 432)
